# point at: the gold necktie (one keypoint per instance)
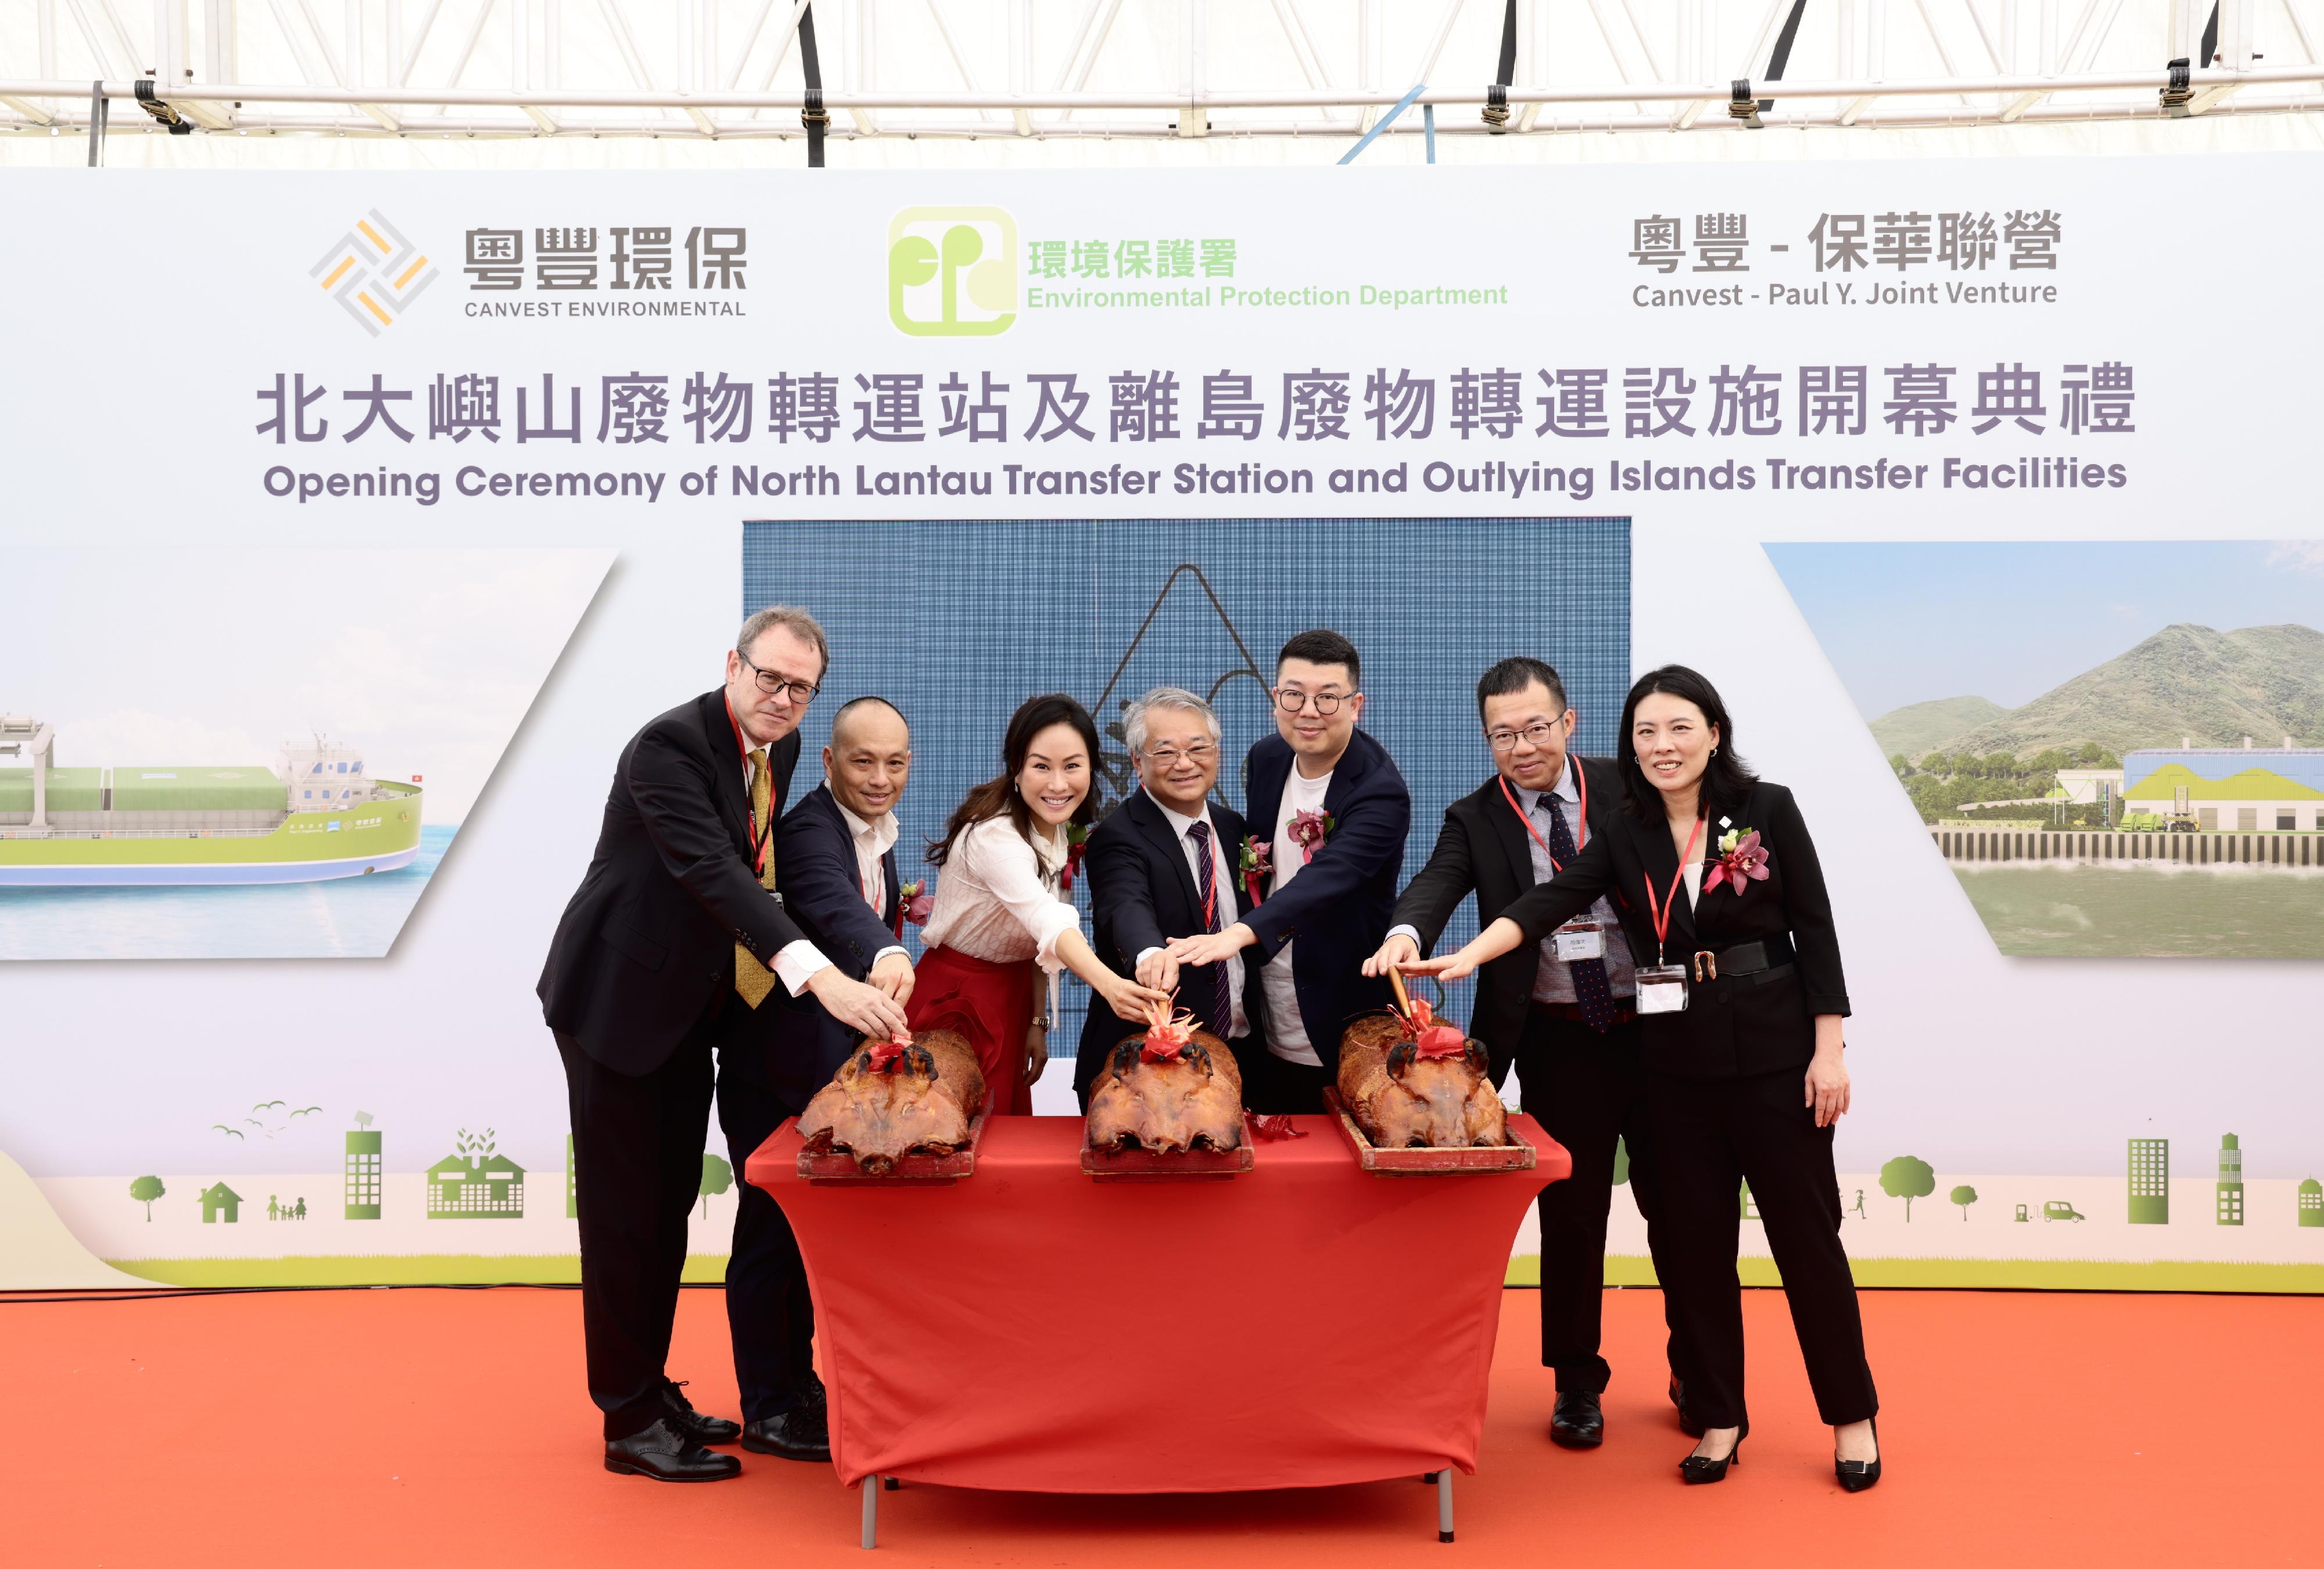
(753, 980)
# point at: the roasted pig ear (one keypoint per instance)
(1202, 1055)
(1125, 1056)
(1399, 1057)
(1478, 1058)
(922, 1062)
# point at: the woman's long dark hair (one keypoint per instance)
(999, 797)
(1725, 779)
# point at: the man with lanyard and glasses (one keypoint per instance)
(662, 960)
(1565, 1013)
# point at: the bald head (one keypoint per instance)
(868, 758)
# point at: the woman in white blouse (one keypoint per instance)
(1002, 916)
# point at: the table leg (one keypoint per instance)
(891, 1483)
(872, 1512)
(1444, 1504)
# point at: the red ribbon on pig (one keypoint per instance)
(1430, 1039)
(883, 1052)
(1167, 1037)
(1274, 1125)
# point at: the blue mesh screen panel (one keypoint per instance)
(957, 622)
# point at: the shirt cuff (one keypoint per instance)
(890, 948)
(797, 964)
(1143, 954)
(1406, 931)
(1053, 927)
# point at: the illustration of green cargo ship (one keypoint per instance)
(315, 816)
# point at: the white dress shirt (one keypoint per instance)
(1287, 1034)
(871, 841)
(796, 964)
(1223, 875)
(998, 899)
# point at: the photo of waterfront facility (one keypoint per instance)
(2236, 790)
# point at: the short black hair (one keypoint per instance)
(1323, 647)
(1515, 674)
(1725, 779)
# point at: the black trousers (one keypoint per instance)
(769, 1315)
(1710, 1137)
(637, 1171)
(1588, 1091)
(1272, 1085)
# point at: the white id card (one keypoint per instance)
(1661, 989)
(1580, 939)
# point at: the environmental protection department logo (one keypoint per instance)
(374, 272)
(952, 271)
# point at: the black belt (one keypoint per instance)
(1758, 963)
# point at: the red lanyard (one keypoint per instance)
(1661, 912)
(758, 841)
(1581, 828)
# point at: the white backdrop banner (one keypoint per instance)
(544, 408)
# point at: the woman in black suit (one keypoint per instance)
(1713, 871)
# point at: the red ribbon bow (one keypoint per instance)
(883, 1052)
(1430, 1039)
(1168, 1037)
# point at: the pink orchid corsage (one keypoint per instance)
(917, 902)
(1741, 860)
(1308, 831)
(1255, 865)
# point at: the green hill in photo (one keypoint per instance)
(1918, 729)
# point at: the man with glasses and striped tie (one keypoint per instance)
(1163, 867)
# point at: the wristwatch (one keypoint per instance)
(1041, 1023)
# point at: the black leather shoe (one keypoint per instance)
(1856, 1475)
(1577, 1422)
(798, 1433)
(700, 1426)
(1686, 1423)
(1697, 1469)
(666, 1455)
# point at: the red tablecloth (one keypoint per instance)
(1303, 1325)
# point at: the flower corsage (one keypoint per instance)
(1308, 831)
(1742, 859)
(1255, 866)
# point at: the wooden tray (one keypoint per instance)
(1516, 1156)
(1152, 1165)
(837, 1167)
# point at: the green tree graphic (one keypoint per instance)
(1908, 1177)
(1622, 1161)
(145, 1190)
(717, 1177)
(1963, 1196)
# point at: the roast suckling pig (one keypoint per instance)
(1414, 1084)
(1172, 1089)
(890, 1100)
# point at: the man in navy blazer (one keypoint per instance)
(1162, 866)
(836, 849)
(1334, 812)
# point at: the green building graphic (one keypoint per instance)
(475, 1183)
(2231, 1181)
(2311, 1202)
(2150, 1182)
(363, 1172)
(221, 1203)
(572, 1193)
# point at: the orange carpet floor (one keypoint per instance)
(410, 1427)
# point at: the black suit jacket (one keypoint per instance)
(1338, 906)
(1142, 894)
(814, 857)
(1483, 848)
(648, 939)
(1731, 1026)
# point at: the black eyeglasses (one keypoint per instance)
(802, 693)
(1534, 734)
(1291, 700)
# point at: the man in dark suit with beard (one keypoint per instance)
(1569, 1024)
(837, 852)
(664, 956)
(1334, 812)
(1161, 867)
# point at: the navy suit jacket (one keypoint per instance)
(1339, 904)
(1142, 894)
(815, 858)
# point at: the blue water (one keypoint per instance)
(348, 918)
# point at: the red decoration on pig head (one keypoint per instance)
(1430, 1039)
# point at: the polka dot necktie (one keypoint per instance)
(1589, 988)
(1220, 1014)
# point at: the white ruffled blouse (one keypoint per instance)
(998, 897)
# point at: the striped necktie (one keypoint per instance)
(1218, 1016)
(753, 980)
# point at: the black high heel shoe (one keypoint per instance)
(1697, 1469)
(1856, 1475)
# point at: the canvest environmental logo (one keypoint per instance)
(952, 271)
(374, 272)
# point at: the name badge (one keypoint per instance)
(1661, 989)
(1580, 939)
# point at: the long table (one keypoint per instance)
(1306, 1324)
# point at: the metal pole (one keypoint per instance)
(871, 1485)
(1444, 1504)
(95, 123)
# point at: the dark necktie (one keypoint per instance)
(1589, 988)
(1221, 1011)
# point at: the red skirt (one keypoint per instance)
(993, 1005)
